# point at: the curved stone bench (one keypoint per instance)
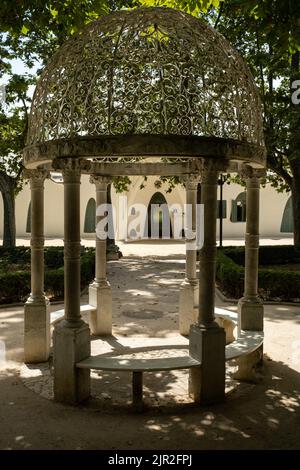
(137, 367)
(247, 342)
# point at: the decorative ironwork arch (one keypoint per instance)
(154, 71)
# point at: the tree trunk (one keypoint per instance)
(295, 151)
(296, 207)
(7, 187)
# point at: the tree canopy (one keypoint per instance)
(265, 32)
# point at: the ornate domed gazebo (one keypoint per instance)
(151, 82)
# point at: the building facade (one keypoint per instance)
(275, 209)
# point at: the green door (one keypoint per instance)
(28, 222)
(90, 217)
(287, 223)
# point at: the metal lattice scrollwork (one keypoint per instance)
(146, 71)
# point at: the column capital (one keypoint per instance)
(99, 180)
(191, 181)
(210, 168)
(71, 168)
(36, 177)
(248, 172)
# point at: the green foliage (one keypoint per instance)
(230, 276)
(267, 34)
(13, 126)
(274, 284)
(268, 255)
(194, 7)
(15, 284)
(121, 183)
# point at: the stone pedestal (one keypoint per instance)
(100, 297)
(207, 383)
(251, 314)
(71, 345)
(188, 310)
(36, 330)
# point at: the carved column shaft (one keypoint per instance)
(250, 306)
(37, 237)
(191, 184)
(71, 175)
(37, 179)
(208, 252)
(252, 237)
(100, 291)
(101, 184)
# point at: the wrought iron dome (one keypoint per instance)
(150, 81)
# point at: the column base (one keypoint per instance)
(71, 345)
(100, 297)
(207, 384)
(188, 299)
(251, 314)
(36, 330)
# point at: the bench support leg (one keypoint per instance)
(250, 367)
(137, 391)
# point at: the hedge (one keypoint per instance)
(230, 276)
(15, 286)
(268, 255)
(274, 284)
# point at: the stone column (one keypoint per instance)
(207, 338)
(100, 295)
(250, 306)
(189, 289)
(72, 335)
(36, 312)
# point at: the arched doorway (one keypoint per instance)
(287, 222)
(90, 217)
(238, 208)
(157, 219)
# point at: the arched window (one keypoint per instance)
(238, 208)
(287, 222)
(90, 217)
(28, 222)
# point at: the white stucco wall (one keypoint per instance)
(271, 207)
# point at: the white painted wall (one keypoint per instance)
(271, 207)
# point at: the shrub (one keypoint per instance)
(268, 255)
(274, 284)
(15, 285)
(230, 276)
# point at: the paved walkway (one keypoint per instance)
(156, 248)
(145, 297)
